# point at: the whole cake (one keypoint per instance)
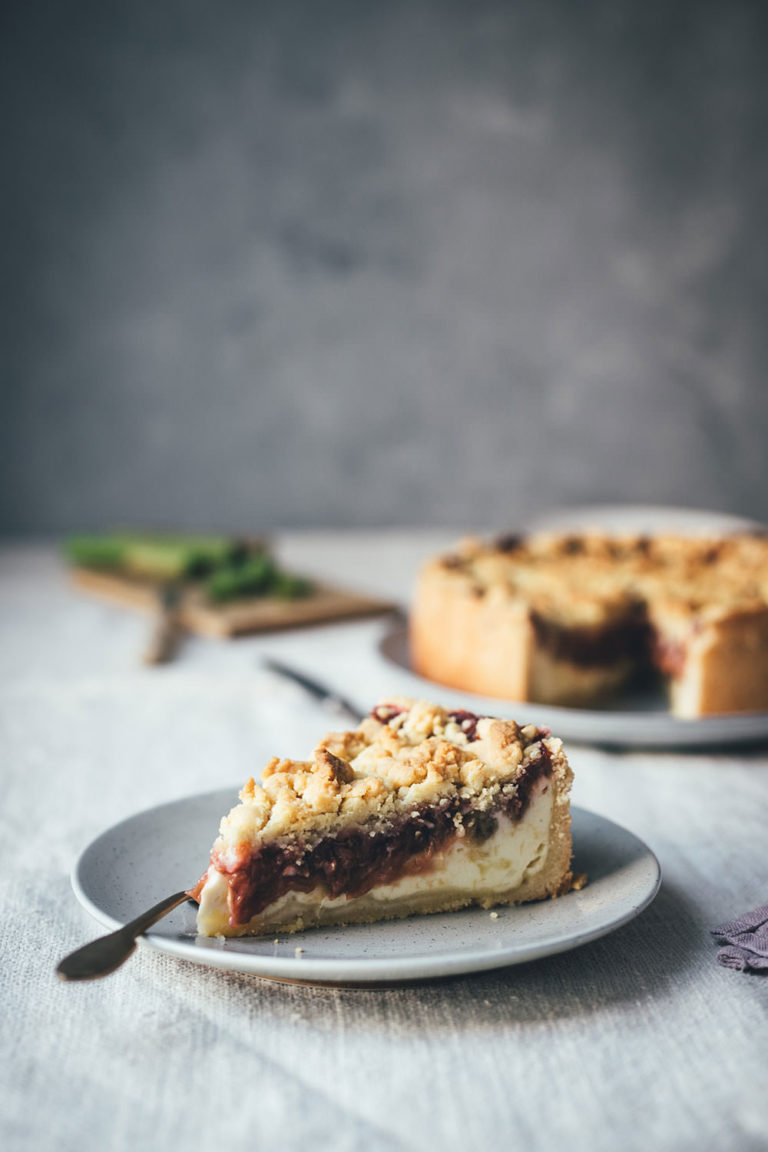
(416, 810)
(569, 619)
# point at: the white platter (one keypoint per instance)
(137, 862)
(635, 719)
(640, 720)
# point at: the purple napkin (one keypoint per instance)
(746, 940)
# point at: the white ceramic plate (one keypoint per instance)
(164, 849)
(635, 719)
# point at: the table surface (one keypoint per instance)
(639, 1040)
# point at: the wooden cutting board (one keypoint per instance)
(325, 603)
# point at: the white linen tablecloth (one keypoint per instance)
(637, 1041)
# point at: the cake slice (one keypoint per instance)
(714, 657)
(417, 810)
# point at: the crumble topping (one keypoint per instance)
(591, 579)
(405, 754)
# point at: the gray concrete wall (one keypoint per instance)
(381, 263)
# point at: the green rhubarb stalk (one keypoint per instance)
(156, 556)
(288, 586)
(252, 577)
(95, 551)
(230, 568)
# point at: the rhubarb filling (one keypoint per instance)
(593, 647)
(669, 655)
